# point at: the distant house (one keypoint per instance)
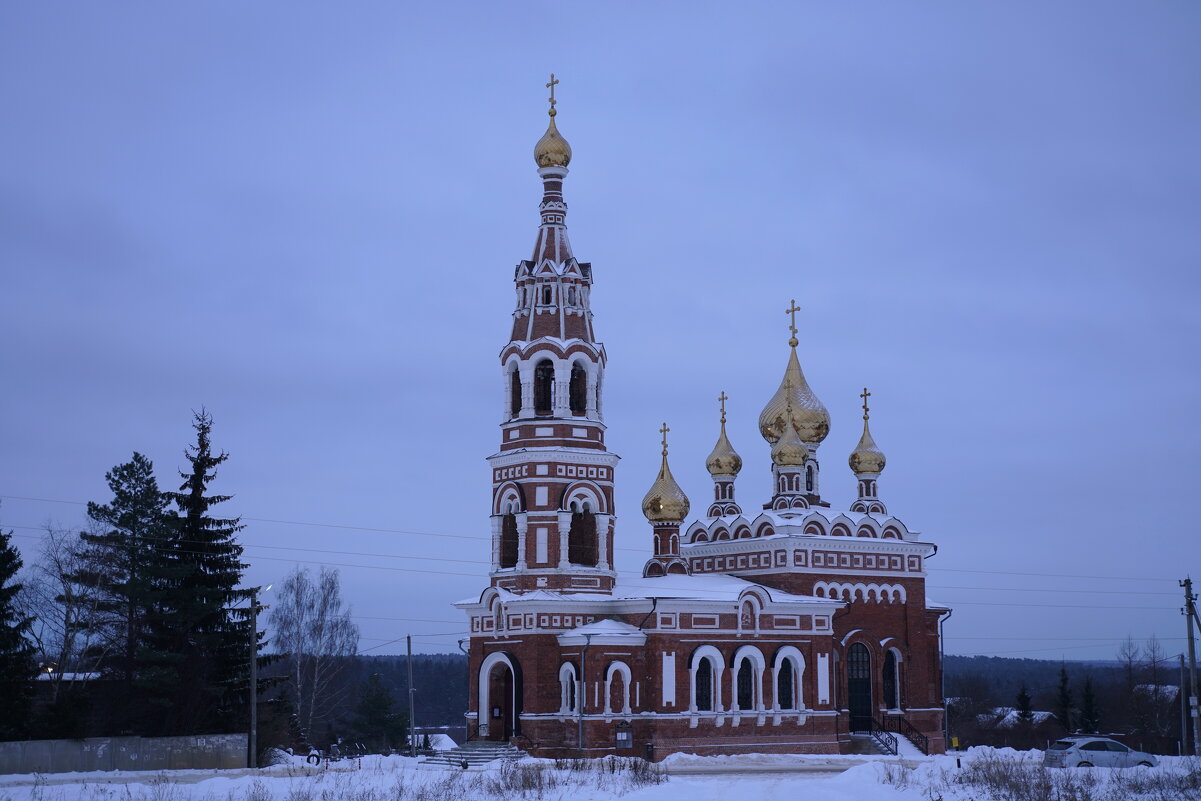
(1164, 693)
(1007, 717)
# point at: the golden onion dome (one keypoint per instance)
(867, 456)
(809, 416)
(723, 460)
(552, 149)
(665, 501)
(789, 450)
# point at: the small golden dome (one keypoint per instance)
(665, 502)
(552, 149)
(867, 456)
(789, 450)
(723, 460)
(809, 416)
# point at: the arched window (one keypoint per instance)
(704, 686)
(545, 296)
(746, 685)
(786, 686)
(617, 689)
(544, 382)
(578, 391)
(809, 478)
(571, 296)
(508, 540)
(514, 394)
(581, 541)
(567, 688)
(892, 685)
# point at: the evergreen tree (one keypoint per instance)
(124, 567)
(199, 678)
(1063, 700)
(1089, 714)
(1024, 706)
(16, 653)
(376, 723)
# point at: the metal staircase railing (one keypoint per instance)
(885, 740)
(907, 730)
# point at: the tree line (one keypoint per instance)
(1023, 703)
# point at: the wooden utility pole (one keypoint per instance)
(412, 728)
(1182, 697)
(1190, 617)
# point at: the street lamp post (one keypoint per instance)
(254, 678)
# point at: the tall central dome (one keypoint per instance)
(809, 416)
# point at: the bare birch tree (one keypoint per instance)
(67, 615)
(313, 629)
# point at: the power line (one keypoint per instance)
(376, 555)
(1046, 589)
(378, 530)
(664, 586)
(1056, 639)
(1048, 575)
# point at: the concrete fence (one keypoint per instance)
(209, 751)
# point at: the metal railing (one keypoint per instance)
(907, 730)
(885, 740)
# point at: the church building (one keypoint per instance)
(791, 627)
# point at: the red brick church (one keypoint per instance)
(794, 627)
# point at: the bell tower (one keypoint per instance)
(552, 480)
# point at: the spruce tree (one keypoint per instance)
(1090, 716)
(1063, 700)
(124, 568)
(1024, 706)
(376, 722)
(16, 653)
(202, 686)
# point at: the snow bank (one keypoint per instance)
(980, 774)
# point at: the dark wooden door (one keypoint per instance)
(859, 687)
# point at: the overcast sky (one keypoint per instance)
(305, 218)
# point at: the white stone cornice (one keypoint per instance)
(553, 454)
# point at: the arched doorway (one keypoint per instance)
(859, 687)
(499, 697)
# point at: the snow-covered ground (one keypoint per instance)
(982, 774)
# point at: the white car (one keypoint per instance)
(1101, 752)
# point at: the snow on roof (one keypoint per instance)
(1164, 692)
(604, 632)
(933, 604)
(798, 517)
(1006, 717)
(606, 626)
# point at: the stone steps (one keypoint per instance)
(474, 753)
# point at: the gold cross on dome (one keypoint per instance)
(551, 87)
(722, 398)
(792, 310)
(664, 431)
(865, 395)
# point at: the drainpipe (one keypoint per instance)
(582, 697)
(942, 675)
